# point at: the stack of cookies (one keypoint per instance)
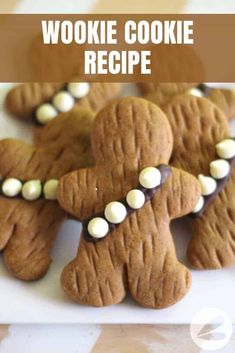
(124, 167)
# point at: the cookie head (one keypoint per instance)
(131, 130)
(197, 125)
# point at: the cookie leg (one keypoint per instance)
(5, 233)
(27, 253)
(159, 280)
(9, 213)
(94, 278)
(213, 242)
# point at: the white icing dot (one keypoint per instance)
(195, 92)
(115, 212)
(11, 187)
(63, 101)
(78, 89)
(150, 177)
(226, 149)
(219, 169)
(45, 113)
(208, 185)
(50, 189)
(199, 205)
(98, 227)
(31, 190)
(135, 198)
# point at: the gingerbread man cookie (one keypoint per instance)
(162, 93)
(126, 203)
(42, 102)
(29, 214)
(203, 147)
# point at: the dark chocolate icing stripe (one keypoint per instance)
(220, 185)
(205, 89)
(165, 171)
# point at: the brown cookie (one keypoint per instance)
(23, 100)
(127, 245)
(224, 99)
(29, 214)
(199, 127)
(42, 102)
(162, 93)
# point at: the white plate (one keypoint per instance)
(44, 301)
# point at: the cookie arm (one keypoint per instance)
(99, 94)
(77, 192)
(183, 194)
(17, 159)
(22, 100)
(29, 230)
(21, 160)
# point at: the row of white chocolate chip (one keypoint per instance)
(30, 190)
(62, 101)
(115, 212)
(219, 169)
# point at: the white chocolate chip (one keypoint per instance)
(219, 169)
(199, 205)
(50, 189)
(98, 227)
(78, 89)
(45, 113)
(226, 149)
(135, 198)
(31, 190)
(63, 101)
(208, 185)
(195, 92)
(115, 212)
(150, 177)
(11, 187)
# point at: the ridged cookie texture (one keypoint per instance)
(162, 93)
(138, 256)
(23, 100)
(225, 100)
(198, 125)
(28, 228)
